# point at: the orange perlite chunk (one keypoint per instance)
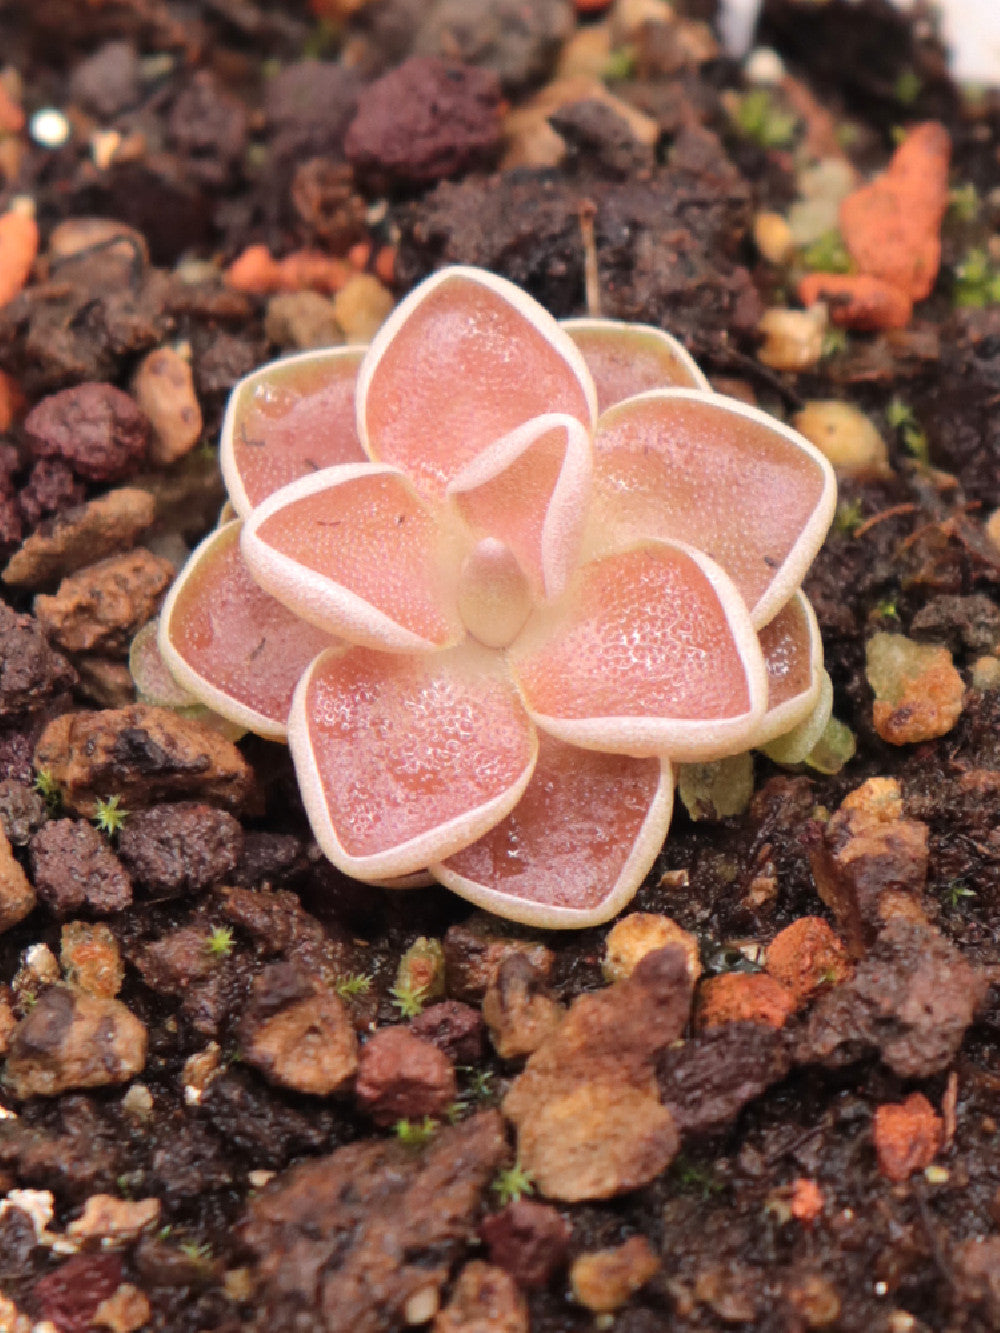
(892, 230)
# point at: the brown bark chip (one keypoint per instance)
(708, 1080)
(79, 537)
(342, 1244)
(101, 608)
(144, 755)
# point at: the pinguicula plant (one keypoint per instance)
(492, 577)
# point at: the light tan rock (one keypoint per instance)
(143, 754)
(632, 937)
(845, 436)
(164, 389)
(603, 1280)
(70, 1040)
(17, 897)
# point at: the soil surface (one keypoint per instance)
(241, 1091)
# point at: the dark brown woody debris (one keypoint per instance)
(144, 755)
(209, 127)
(73, 867)
(425, 120)
(182, 848)
(256, 1120)
(80, 536)
(483, 1297)
(71, 1040)
(343, 1244)
(911, 1001)
(529, 1239)
(275, 918)
(456, 1029)
(401, 1077)
(298, 1033)
(178, 961)
(100, 609)
(31, 672)
(707, 1080)
(870, 862)
(95, 428)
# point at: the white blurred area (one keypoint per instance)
(970, 29)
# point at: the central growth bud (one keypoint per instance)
(494, 599)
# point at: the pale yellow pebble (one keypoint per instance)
(638, 934)
(793, 339)
(164, 389)
(845, 436)
(586, 53)
(993, 527)
(361, 307)
(773, 237)
(986, 673)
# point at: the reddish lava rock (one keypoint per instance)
(908, 1136)
(401, 1077)
(73, 867)
(182, 848)
(426, 120)
(69, 1296)
(530, 1240)
(456, 1029)
(95, 428)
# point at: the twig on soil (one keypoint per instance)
(591, 274)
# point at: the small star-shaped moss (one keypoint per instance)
(513, 1182)
(109, 816)
(219, 942)
(409, 1000)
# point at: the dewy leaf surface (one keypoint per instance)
(465, 359)
(530, 489)
(357, 552)
(289, 420)
(650, 652)
(747, 491)
(230, 643)
(793, 653)
(576, 846)
(627, 359)
(402, 760)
